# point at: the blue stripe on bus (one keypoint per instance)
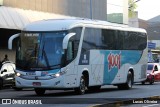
(43, 72)
(115, 59)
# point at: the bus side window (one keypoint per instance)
(70, 51)
(77, 37)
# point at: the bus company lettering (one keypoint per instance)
(114, 60)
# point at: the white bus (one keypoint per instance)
(79, 54)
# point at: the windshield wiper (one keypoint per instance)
(45, 55)
(46, 58)
(48, 68)
(55, 66)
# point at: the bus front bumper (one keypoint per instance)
(50, 83)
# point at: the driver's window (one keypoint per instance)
(70, 51)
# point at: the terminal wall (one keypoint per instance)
(95, 9)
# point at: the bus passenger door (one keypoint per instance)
(70, 79)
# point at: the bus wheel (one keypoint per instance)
(40, 91)
(1, 84)
(82, 87)
(128, 84)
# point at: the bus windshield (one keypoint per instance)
(40, 51)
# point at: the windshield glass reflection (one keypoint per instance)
(40, 51)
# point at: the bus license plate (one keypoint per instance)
(36, 84)
(31, 73)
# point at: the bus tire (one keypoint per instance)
(82, 87)
(39, 91)
(1, 84)
(128, 84)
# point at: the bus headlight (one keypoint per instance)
(55, 75)
(59, 74)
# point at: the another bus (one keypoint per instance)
(79, 54)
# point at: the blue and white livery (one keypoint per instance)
(79, 54)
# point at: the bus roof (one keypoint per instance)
(65, 24)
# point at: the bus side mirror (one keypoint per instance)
(63, 60)
(10, 41)
(66, 40)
